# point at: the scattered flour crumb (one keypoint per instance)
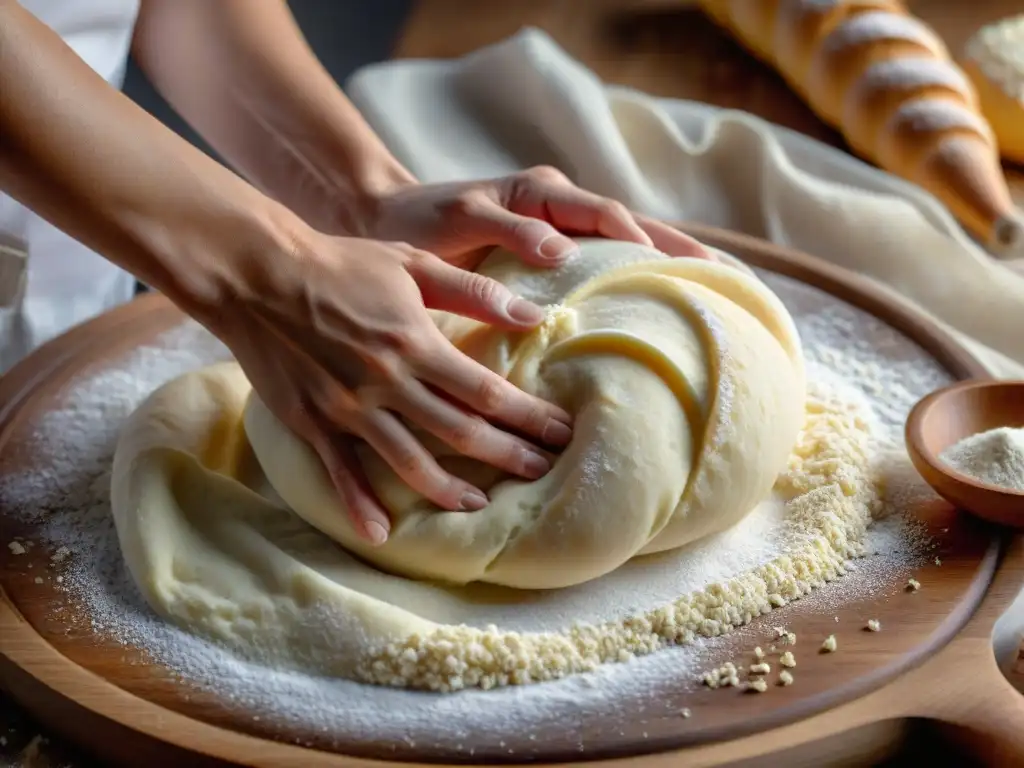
(830, 645)
(785, 677)
(874, 625)
(787, 659)
(67, 499)
(16, 548)
(913, 584)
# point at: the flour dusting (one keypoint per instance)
(67, 494)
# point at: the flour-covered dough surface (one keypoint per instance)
(686, 381)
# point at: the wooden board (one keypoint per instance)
(934, 658)
(667, 48)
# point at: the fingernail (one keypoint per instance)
(526, 312)
(473, 501)
(535, 465)
(556, 247)
(556, 433)
(375, 532)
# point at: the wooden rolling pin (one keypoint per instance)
(887, 82)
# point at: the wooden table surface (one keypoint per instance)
(663, 47)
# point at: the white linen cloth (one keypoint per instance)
(525, 102)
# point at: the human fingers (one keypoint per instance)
(546, 193)
(490, 395)
(469, 434)
(670, 240)
(416, 466)
(480, 219)
(461, 292)
(347, 477)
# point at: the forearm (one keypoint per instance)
(240, 72)
(84, 157)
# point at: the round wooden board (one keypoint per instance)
(933, 659)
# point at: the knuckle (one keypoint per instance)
(547, 173)
(614, 209)
(319, 399)
(535, 419)
(465, 204)
(298, 411)
(515, 456)
(491, 393)
(408, 463)
(486, 290)
(392, 346)
(465, 435)
(403, 251)
(334, 408)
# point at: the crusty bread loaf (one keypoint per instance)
(994, 60)
(887, 81)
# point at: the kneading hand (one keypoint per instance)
(529, 213)
(336, 339)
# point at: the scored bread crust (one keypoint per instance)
(887, 81)
(994, 61)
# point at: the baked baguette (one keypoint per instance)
(887, 82)
(994, 60)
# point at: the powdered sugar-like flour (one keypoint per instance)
(67, 495)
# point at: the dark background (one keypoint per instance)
(346, 34)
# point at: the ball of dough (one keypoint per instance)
(686, 381)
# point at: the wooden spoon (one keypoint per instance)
(947, 416)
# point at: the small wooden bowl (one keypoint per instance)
(947, 416)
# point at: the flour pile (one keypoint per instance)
(864, 372)
(995, 457)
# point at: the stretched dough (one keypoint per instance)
(686, 381)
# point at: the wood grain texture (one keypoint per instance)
(933, 659)
(667, 48)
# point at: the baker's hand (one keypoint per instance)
(529, 213)
(336, 338)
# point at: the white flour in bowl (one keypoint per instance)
(68, 494)
(995, 457)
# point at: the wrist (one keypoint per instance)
(235, 257)
(335, 184)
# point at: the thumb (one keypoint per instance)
(535, 241)
(472, 295)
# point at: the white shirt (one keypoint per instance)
(48, 281)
